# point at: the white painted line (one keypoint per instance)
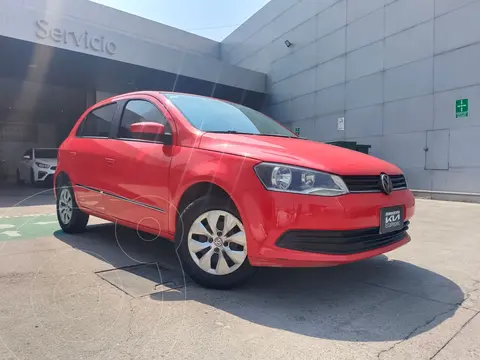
(6, 226)
(11, 233)
(25, 215)
(46, 223)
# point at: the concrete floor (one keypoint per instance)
(59, 301)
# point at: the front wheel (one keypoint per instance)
(212, 244)
(71, 219)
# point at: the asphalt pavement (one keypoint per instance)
(114, 293)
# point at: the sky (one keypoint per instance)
(214, 19)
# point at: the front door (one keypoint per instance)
(139, 169)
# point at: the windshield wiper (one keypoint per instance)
(257, 134)
(281, 135)
(231, 132)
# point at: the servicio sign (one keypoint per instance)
(84, 39)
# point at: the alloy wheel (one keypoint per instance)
(65, 206)
(217, 242)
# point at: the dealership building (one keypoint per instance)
(400, 75)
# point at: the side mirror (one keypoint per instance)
(147, 130)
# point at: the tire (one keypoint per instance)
(32, 178)
(19, 179)
(220, 277)
(77, 220)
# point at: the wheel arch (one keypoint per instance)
(196, 191)
(60, 179)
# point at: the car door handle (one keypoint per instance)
(110, 161)
(73, 153)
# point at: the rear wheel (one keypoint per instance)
(71, 219)
(212, 244)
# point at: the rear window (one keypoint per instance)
(98, 122)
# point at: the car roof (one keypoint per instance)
(154, 93)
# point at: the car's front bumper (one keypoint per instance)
(277, 257)
(42, 174)
(339, 242)
(270, 216)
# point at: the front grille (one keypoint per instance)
(368, 183)
(339, 242)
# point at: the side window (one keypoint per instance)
(97, 123)
(140, 111)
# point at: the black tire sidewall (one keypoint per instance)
(186, 219)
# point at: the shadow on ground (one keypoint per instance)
(373, 300)
(26, 195)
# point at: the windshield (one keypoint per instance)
(46, 153)
(213, 115)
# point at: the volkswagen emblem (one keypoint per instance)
(386, 184)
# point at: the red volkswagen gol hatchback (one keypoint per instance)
(233, 188)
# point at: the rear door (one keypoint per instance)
(87, 153)
(139, 191)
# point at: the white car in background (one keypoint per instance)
(37, 165)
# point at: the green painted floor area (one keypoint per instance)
(27, 227)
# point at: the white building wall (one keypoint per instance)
(392, 68)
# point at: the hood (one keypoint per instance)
(51, 162)
(298, 152)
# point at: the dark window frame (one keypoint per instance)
(82, 124)
(167, 138)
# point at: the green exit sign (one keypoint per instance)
(461, 108)
(297, 131)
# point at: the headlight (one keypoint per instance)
(285, 178)
(41, 165)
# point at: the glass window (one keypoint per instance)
(45, 153)
(97, 123)
(140, 111)
(213, 115)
